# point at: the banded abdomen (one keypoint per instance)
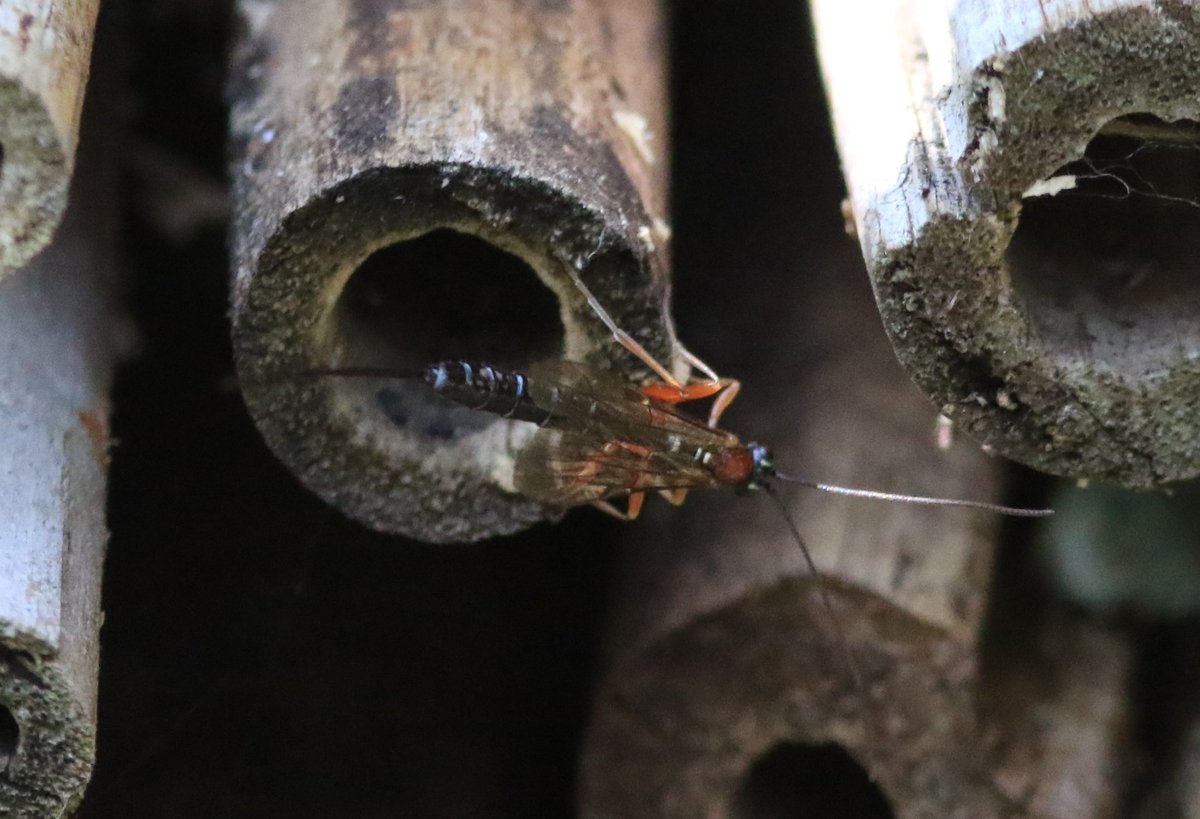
(484, 387)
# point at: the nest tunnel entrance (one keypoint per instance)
(446, 295)
(794, 779)
(10, 738)
(1106, 255)
(440, 296)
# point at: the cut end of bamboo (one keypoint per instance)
(733, 713)
(10, 737)
(804, 779)
(431, 182)
(34, 175)
(1031, 232)
(395, 272)
(46, 751)
(377, 447)
(1105, 258)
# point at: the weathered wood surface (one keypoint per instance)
(45, 50)
(722, 650)
(1061, 330)
(358, 126)
(57, 326)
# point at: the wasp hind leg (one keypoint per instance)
(642, 354)
(723, 400)
(696, 363)
(623, 338)
(675, 497)
(725, 390)
(633, 345)
(636, 499)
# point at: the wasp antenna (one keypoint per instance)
(826, 601)
(918, 500)
(359, 372)
(332, 372)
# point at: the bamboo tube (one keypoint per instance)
(724, 659)
(416, 182)
(1027, 224)
(56, 318)
(1054, 697)
(45, 50)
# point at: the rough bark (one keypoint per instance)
(1054, 318)
(45, 50)
(369, 126)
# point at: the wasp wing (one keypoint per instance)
(568, 468)
(601, 404)
(604, 437)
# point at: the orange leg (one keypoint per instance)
(623, 338)
(634, 508)
(631, 511)
(725, 390)
(636, 499)
(678, 394)
(675, 497)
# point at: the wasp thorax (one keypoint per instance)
(733, 466)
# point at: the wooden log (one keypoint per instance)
(57, 319)
(45, 50)
(422, 181)
(1055, 701)
(724, 661)
(1028, 225)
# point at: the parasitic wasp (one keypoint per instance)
(601, 439)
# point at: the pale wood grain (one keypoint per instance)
(57, 319)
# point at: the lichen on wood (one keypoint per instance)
(45, 51)
(1060, 330)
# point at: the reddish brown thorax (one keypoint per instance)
(733, 465)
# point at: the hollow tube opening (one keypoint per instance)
(443, 295)
(1106, 255)
(446, 295)
(10, 738)
(795, 779)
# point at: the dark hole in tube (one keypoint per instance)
(10, 738)
(794, 779)
(443, 295)
(1108, 267)
(446, 295)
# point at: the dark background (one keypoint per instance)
(263, 656)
